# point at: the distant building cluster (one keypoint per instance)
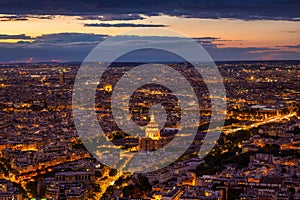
(9, 191)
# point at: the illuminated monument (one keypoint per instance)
(152, 131)
(107, 87)
(152, 140)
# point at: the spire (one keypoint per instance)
(152, 117)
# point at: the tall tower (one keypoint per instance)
(62, 77)
(152, 131)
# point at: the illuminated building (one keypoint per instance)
(62, 77)
(152, 131)
(8, 191)
(153, 140)
(107, 87)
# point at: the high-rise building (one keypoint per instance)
(62, 77)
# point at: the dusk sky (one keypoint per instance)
(63, 31)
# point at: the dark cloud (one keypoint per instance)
(123, 25)
(293, 46)
(232, 9)
(206, 38)
(113, 17)
(21, 37)
(41, 16)
(13, 18)
(76, 46)
(23, 17)
(218, 52)
(291, 32)
(69, 38)
(22, 52)
(59, 46)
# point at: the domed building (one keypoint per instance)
(152, 131)
(152, 140)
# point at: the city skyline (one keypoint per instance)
(44, 157)
(116, 100)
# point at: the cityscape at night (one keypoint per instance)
(66, 133)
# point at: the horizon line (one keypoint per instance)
(217, 61)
